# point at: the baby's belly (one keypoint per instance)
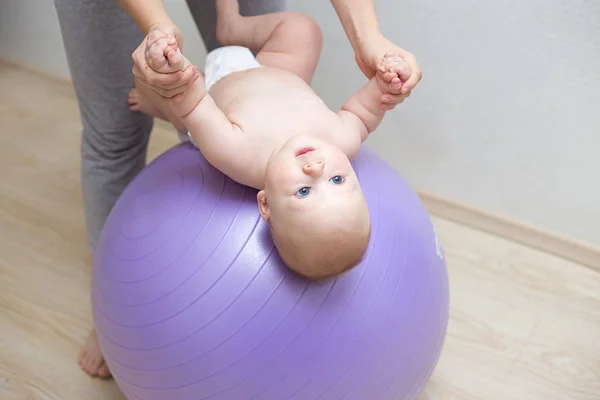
(267, 100)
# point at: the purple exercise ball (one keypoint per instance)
(191, 300)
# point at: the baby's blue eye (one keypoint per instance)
(337, 179)
(303, 191)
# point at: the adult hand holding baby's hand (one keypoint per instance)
(170, 79)
(369, 56)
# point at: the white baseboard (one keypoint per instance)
(550, 242)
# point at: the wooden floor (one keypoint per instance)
(524, 324)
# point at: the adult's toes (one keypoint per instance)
(103, 371)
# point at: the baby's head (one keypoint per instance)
(317, 213)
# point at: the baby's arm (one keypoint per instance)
(362, 113)
(221, 141)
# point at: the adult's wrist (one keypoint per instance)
(155, 21)
(359, 21)
(159, 23)
(147, 14)
(365, 39)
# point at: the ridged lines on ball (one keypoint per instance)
(258, 332)
(345, 384)
(124, 247)
(214, 244)
(321, 348)
(360, 271)
(204, 261)
(113, 285)
(332, 327)
(200, 295)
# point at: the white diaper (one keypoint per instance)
(221, 62)
(226, 60)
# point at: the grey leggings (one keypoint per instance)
(99, 38)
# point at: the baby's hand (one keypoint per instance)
(163, 54)
(392, 72)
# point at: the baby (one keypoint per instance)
(256, 119)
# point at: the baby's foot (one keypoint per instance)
(393, 71)
(163, 54)
(228, 13)
(91, 359)
(138, 101)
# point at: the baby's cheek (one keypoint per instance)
(280, 177)
(272, 180)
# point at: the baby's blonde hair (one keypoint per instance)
(321, 252)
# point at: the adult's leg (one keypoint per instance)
(99, 38)
(204, 13)
(287, 40)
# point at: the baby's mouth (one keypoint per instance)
(304, 150)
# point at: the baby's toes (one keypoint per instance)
(134, 100)
(133, 94)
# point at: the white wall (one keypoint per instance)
(30, 35)
(507, 117)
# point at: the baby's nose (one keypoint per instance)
(313, 168)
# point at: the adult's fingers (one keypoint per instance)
(145, 73)
(167, 81)
(168, 93)
(173, 92)
(391, 100)
(403, 70)
(187, 76)
(178, 98)
(156, 55)
(415, 76)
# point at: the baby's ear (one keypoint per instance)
(263, 205)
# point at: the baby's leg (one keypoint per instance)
(287, 40)
(153, 104)
(138, 101)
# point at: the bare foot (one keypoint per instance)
(138, 101)
(91, 359)
(228, 11)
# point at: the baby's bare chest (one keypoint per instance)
(274, 106)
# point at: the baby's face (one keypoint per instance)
(308, 174)
(318, 215)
